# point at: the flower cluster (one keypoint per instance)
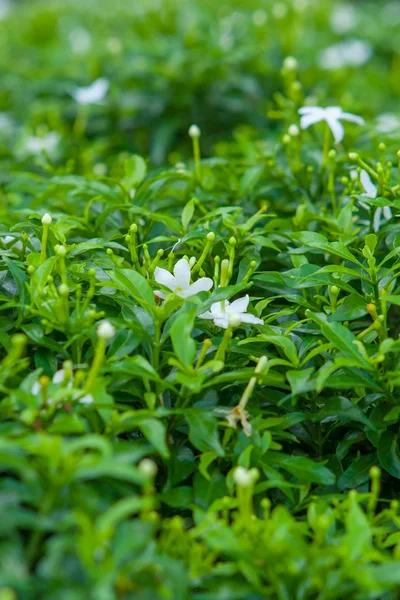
(222, 313)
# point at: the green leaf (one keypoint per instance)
(136, 285)
(358, 472)
(388, 453)
(182, 342)
(187, 213)
(156, 433)
(342, 409)
(303, 468)
(341, 337)
(135, 170)
(203, 430)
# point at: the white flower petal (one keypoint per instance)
(219, 308)
(92, 94)
(387, 212)
(182, 273)
(306, 110)
(164, 277)
(36, 388)
(222, 321)
(88, 399)
(377, 219)
(207, 315)
(370, 189)
(249, 318)
(201, 285)
(58, 376)
(307, 120)
(336, 128)
(160, 295)
(352, 118)
(240, 305)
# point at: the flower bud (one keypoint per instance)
(148, 468)
(63, 290)
(242, 477)
(293, 130)
(105, 330)
(194, 131)
(47, 219)
(290, 63)
(60, 250)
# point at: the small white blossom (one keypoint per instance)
(58, 378)
(332, 115)
(371, 191)
(37, 145)
(179, 282)
(224, 314)
(92, 94)
(388, 123)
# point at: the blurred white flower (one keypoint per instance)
(390, 14)
(5, 7)
(91, 94)
(12, 242)
(371, 191)
(58, 378)
(80, 40)
(343, 18)
(350, 53)
(37, 145)
(224, 314)
(332, 115)
(387, 123)
(179, 282)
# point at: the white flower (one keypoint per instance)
(385, 123)
(92, 94)
(58, 378)
(37, 145)
(179, 282)
(331, 115)
(350, 53)
(5, 7)
(371, 191)
(224, 314)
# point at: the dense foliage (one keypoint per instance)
(199, 327)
